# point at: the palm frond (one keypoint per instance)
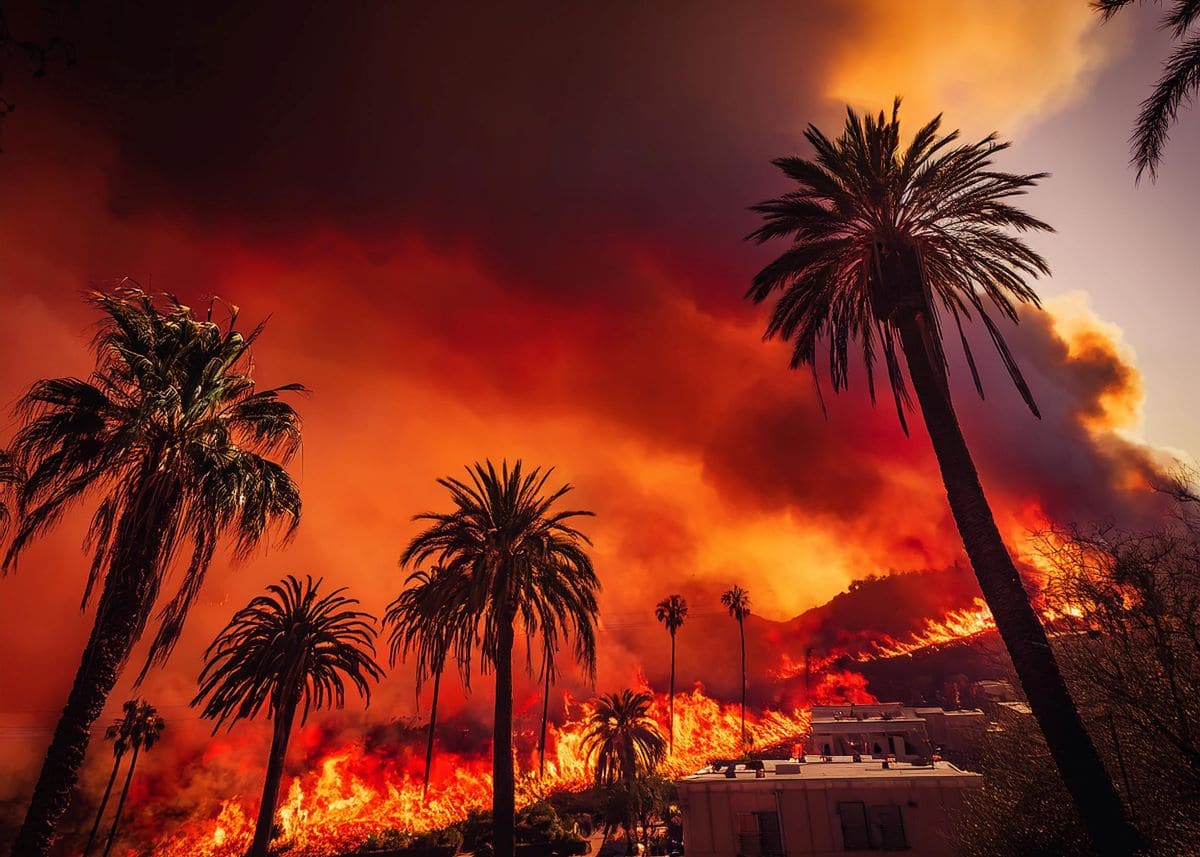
(175, 443)
(878, 229)
(513, 560)
(290, 647)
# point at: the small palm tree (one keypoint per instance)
(423, 620)
(547, 679)
(118, 733)
(889, 245)
(671, 611)
(520, 564)
(139, 729)
(625, 744)
(292, 649)
(737, 602)
(181, 451)
(1180, 82)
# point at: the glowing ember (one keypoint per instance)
(353, 792)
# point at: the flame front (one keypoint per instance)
(955, 626)
(353, 792)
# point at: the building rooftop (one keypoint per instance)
(814, 769)
(889, 713)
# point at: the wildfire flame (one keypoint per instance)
(353, 792)
(955, 626)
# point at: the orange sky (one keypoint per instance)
(522, 239)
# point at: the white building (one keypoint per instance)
(891, 729)
(822, 809)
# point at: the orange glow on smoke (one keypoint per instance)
(351, 793)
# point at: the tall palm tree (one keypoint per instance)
(625, 743)
(522, 565)
(1180, 81)
(291, 649)
(423, 623)
(180, 451)
(671, 611)
(140, 728)
(889, 244)
(737, 602)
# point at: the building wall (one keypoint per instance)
(808, 812)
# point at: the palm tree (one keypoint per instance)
(180, 450)
(291, 646)
(737, 602)
(117, 732)
(888, 245)
(625, 743)
(548, 679)
(423, 622)
(1180, 82)
(521, 563)
(140, 728)
(671, 611)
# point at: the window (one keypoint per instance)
(758, 834)
(855, 836)
(887, 824)
(876, 828)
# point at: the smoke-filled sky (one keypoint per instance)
(518, 232)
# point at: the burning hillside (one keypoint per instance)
(354, 790)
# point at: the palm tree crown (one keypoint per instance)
(140, 726)
(173, 437)
(671, 611)
(512, 556)
(737, 601)
(866, 205)
(1179, 82)
(623, 738)
(423, 620)
(291, 645)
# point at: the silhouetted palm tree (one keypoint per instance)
(140, 729)
(671, 611)
(291, 649)
(889, 244)
(523, 565)
(1180, 82)
(737, 602)
(423, 621)
(547, 679)
(625, 743)
(171, 438)
(117, 733)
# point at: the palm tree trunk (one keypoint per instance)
(671, 698)
(87, 849)
(1078, 763)
(742, 634)
(504, 797)
(630, 811)
(128, 596)
(270, 797)
(112, 833)
(113, 635)
(437, 681)
(545, 718)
